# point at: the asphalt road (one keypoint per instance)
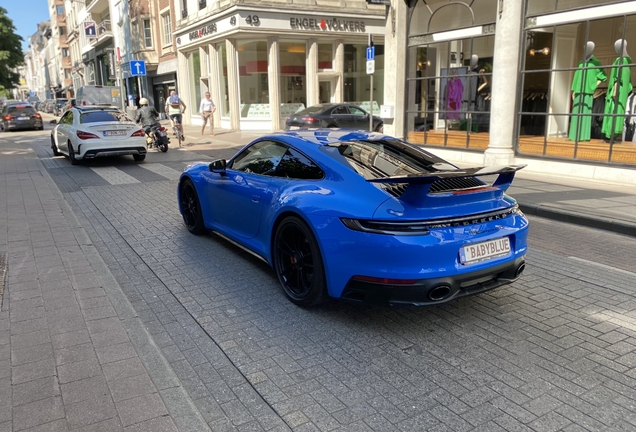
(554, 351)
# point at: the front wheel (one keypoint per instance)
(71, 155)
(191, 208)
(380, 128)
(298, 263)
(56, 152)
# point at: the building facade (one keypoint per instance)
(262, 65)
(567, 63)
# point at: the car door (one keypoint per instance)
(342, 117)
(359, 118)
(62, 131)
(236, 198)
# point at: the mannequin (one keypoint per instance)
(584, 84)
(469, 97)
(620, 84)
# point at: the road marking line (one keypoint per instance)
(162, 170)
(114, 176)
(606, 267)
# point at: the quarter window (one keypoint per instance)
(295, 165)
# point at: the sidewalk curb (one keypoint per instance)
(620, 227)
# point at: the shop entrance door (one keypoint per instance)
(326, 90)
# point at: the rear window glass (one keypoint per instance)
(102, 116)
(381, 159)
(20, 110)
(312, 110)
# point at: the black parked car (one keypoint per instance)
(20, 116)
(329, 115)
(60, 106)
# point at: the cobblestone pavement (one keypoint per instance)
(554, 351)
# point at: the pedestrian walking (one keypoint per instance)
(206, 110)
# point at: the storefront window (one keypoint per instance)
(357, 83)
(223, 88)
(577, 100)
(194, 63)
(430, 16)
(536, 7)
(253, 79)
(325, 56)
(450, 86)
(293, 77)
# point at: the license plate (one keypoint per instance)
(115, 133)
(22, 118)
(477, 252)
(294, 127)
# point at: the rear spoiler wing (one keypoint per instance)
(419, 184)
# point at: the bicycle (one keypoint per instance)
(177, 131)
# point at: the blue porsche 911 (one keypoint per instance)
(361, 216)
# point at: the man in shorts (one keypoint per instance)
(174, 109)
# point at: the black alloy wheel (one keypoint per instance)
(71, 154)
(298, 263)
(192, 215)
(380, 128)
(56, 152)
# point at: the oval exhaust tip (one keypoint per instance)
(520, 269)
(440, 292)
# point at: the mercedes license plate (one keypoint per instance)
(115, 133)
(294, 127)
(22, 118)
(483, 251)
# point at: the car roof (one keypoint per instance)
(326, 136)
(87, 108)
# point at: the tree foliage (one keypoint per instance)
(11, 55)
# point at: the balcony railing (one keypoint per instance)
(184, 13)
(202, 4)
(103, 28)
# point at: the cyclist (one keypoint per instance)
(147, 116)
(174, 109)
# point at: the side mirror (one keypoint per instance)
(218, 166)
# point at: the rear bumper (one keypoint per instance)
(118, 151)
(437, 290)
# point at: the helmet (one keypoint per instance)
(143, 101)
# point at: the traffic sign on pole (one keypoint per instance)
(370, 53)
(138, 68)
(370, 67)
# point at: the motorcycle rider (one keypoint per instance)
(148, 117)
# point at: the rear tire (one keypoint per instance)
(298, 263)
(139, 157)
(163, 146)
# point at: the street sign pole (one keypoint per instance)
(371, 88)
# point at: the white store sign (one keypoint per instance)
(280, 23)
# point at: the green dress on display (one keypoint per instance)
(583, 86)
(618, 102)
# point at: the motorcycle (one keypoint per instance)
(158, 138)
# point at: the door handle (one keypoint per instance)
(256, 198)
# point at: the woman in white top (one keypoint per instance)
(206, 110)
